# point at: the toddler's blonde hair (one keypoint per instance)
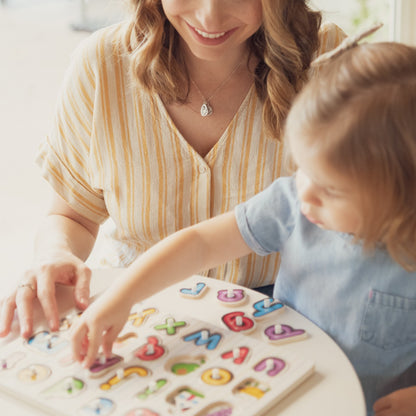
(360, 112)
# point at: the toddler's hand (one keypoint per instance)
(399, 403)
(98, 326)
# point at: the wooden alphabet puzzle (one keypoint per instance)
(166, 362)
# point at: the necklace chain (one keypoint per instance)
(206, 107)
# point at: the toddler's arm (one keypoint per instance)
(399, 403)
(180, 255)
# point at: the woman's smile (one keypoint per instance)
(211, 38)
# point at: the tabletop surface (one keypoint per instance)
(332, 387)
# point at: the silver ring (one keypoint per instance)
(29, 285)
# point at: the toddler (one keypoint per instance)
(345, 225)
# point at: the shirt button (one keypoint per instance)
(202, 169)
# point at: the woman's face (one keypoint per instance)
(214, 28)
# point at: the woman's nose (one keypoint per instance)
(210, 14)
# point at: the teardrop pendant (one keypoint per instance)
(206, 109)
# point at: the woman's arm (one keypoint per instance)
(63, 242)
(180, 255)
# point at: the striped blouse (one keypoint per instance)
(115, 155)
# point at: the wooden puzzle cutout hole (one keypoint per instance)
(217, 408)
(34, 373)
(99, 406)
(251, 387)
(11, 360)
(124, 339)
(184, 399)
(47, 342)
(67, 321)
(182, 365)
(142, 411)
(65, 388)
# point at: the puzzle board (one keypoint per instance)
(167, 362)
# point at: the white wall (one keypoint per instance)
(404, 17)
(337, 11)
(398, 16)
(343, 12)
(35, 45)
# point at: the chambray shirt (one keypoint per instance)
(365, 302)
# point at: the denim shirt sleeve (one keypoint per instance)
(266, 220)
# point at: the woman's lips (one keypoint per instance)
(209, 35)
(211, 38)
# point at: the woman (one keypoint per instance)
(162, 122)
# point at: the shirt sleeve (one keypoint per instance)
(66, 154)
(267, 220)
(330, 36)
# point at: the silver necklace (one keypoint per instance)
(206, 107)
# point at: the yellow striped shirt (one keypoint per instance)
(115, 154)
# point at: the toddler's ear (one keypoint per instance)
(289, 166)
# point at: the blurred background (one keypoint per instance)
(36, 41)
(37, 38)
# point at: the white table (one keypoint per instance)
(333, 388)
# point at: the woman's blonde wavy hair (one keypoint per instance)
(285, 45)
(360, 114)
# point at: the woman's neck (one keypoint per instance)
(210, 73)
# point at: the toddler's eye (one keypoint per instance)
(331, 193)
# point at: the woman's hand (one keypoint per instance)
(40, 282)
(64, 240)
(99, 326)
(399, 403)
